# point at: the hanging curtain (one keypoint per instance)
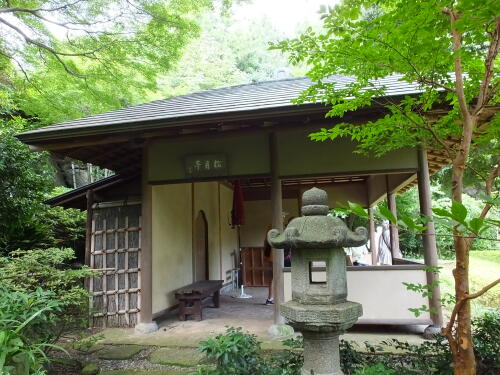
(238, 211)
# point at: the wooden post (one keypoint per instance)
(277, 223)
(88, 235)
(222, 277)
(429, 241)
(146, 323)
(373, 244)
(393, 228)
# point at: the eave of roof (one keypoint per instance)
(134, 126)
(67, 199)
(243, 102)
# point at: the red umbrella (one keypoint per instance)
(238, 211)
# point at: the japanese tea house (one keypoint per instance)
(164, 219)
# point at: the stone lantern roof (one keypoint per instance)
(316, 229)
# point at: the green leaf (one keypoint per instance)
(442, 212)
(459, 212)
(476, 224)
(357, 209)
(387, 214)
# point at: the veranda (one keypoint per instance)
(164, 220)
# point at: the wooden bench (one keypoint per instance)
(191, 297)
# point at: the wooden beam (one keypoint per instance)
(88, 234)
(74, 143)
(146, 265)
(277, 223)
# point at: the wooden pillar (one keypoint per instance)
(373, 244)
(393, 228)
(88, 235)
(277, 223)
(429, 237)
(146, 323)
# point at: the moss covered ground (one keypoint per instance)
(183, 357)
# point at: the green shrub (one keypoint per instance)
(430, 357)
(25, 270)
(239, 353)
(377, 369)
(67, 227)
(18, 307)
(350, 358)
(26, 328)
(26, 180)
(486, 333)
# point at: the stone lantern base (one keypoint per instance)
(321, 353)
(321, 326)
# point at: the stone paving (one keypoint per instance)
(171, 350)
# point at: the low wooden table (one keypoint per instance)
(191, 297)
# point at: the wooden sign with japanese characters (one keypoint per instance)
(206, 165)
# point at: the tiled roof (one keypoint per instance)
(225, 101)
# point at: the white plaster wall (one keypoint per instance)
(171, 242)
(172, 235)
(206, 199)
(258, 218)
(381, 292)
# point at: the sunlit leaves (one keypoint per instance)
(367, 40)
(456, 217)
(109, 53)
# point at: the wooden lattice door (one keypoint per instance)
(256, 269)
(115, 252)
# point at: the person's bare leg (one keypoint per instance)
(270, 292)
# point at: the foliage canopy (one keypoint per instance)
(75, 56)
(449, 50)
(369, 40)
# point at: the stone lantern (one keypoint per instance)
(319, 308)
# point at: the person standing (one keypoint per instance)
(384, 245)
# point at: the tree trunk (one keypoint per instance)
(463, 359)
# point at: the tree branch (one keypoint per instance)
(483, 96)
(448, 330)
(425, 126)
(467, 297)
(420, 77)
(44, 46)
(55, 53)
(27, 10)
(494, 173)
(459, 78)
(431, 82)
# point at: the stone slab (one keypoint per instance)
(120, 352)
(183, 357)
